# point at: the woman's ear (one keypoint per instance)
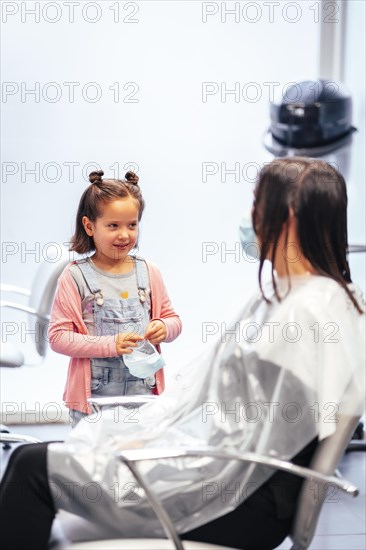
(88, 226)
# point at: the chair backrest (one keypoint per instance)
(42, 294)
(327, 455)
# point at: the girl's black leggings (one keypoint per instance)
(27, 510)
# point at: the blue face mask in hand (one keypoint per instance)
(248, 238)
(144, 361)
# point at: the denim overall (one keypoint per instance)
(109, 375)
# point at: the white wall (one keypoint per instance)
(169, 133)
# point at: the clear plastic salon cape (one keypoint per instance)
(278, 378)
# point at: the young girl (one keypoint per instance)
(107, 303)
(276, 391)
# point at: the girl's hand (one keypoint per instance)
(125, 341)
(156, 332)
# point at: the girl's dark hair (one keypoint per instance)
(99, 192)
(316, 192)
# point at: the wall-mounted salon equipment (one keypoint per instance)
(313, 118)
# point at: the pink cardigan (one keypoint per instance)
(68, 335)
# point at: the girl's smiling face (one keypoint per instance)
(114, 232)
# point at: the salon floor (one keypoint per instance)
(342, 521)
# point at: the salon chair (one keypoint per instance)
(325, 460)
(321, 471)
(38, 308)
(7, 438)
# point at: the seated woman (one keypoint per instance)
(274, 385)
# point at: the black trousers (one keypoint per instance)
(27, 510)
(26, 505)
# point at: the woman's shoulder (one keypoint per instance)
(323, 297)
(327, 290)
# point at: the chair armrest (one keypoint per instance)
(130, 456)
(26, 309)
(17, 438)
(136, 455)
(12, 288)
(121, 400)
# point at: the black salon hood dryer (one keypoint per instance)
(313, 119)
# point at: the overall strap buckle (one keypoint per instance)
(142, 276)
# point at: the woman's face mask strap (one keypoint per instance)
(248, 238)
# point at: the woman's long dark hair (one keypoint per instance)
(316, 192)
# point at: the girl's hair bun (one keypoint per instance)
(96, 177)
(131, 177)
